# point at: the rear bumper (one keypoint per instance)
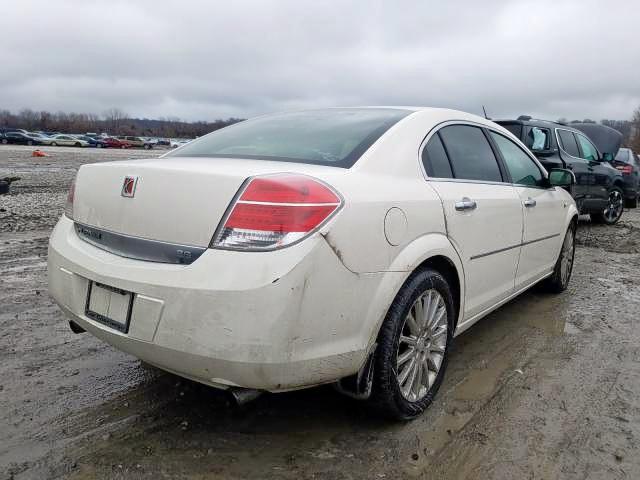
(273, 321)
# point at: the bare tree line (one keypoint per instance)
(117, 122)
(113, 121)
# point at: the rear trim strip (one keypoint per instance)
(493, 252)
(138, 248)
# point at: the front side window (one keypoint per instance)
(537, 139)
(568, 143)
(334, 137)
(589, 151)
(435, 160)
(470, 154)
(521, 167)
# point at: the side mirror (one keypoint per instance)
(560, 177)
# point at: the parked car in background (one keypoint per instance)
(136, 142)
(2, 138)
(44, 139)
(92, 141)
(355, 276)
(599, 188)
(68, 141)
(20, 138)
(9, 129)
(627, 162)
(175, 143)
(112, 142)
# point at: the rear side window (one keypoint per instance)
(470, 154)
(515, 128)
(435, 160)
(521, 167)
(568, 143)
(589, 151)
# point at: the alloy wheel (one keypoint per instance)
(567, 255)
(422, 345)
(614, 207)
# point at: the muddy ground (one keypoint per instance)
(546, 387)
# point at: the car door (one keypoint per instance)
(483, 212)
(600, 171)
(544, 211)
(570, 154)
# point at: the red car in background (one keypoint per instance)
(111, 142)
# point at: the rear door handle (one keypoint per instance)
(465, 204)
(529, 202)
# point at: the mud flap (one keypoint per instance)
(359, 386)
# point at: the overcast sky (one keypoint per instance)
(202, 60)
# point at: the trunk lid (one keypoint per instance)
(177, 200)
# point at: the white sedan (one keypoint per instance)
(67, 140)
(344, 246)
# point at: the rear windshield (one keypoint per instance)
(623, 155)
(334, 137)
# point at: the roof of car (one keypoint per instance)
(536, 122)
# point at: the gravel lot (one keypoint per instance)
(546, 387)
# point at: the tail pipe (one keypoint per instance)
(242, 396)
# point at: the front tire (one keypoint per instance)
(559, 280)
(54, 144)
(613, 211)
(413, 346)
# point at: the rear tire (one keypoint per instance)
(123, 146)
(54, 144)
(30, 143)
(613, 211)
(5, 141)
(411, 356)
(77, 144)
(559, 280)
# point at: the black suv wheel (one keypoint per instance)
(613, 211)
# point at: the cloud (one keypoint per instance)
(202, 60)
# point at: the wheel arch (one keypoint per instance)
(618, 182)
(429, 251)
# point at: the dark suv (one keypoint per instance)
(599, 187)
(627, 162)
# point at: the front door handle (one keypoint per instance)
(465, 204)
(529, 202)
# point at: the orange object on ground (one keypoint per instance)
(39, 153)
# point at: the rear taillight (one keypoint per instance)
(625, 169)
(274, 211)
(68, 208)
